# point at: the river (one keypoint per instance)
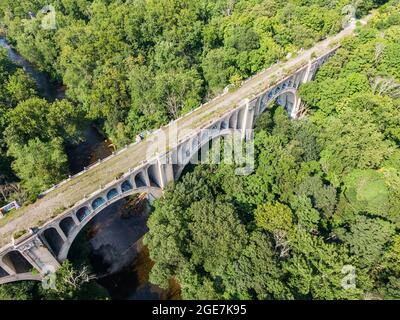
(112, 242)
(46, 88)
(95, 146)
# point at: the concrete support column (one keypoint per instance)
(6, 268)
(39, 256)
(169, 173)
(76, 220)
(257, 109)
(61, 233)
(165, 170)
(161, 174)
(307, 75)
(154, 194)
(235, 120)
(146, 177)
(248, 118)
(296, 108)
(31, 260)
(244, 119)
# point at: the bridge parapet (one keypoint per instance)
(48, 244)
(314, 64)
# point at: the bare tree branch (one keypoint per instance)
(385, 87)
(379, 49)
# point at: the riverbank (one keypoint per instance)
(132, 282)
(94, 147)
(112, 242)
(46, 87)
(112, 245)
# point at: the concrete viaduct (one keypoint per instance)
(50, 232)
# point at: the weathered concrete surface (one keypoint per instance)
(74, 190)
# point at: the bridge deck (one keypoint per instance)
(21, 276)
(68, 194)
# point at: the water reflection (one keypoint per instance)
(49, 90)
(112, 241)
(94, 147)
(112, 244)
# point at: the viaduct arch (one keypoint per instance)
(47, 246)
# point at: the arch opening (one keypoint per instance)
(176, 169)
(112, 193)
(264, 102)
(186, 152)
(139, 180)
(17, 262)
(82, 213)
(67, 225)
(195, 143)
(286, 98)
(232, 122)
(240, 118)
(3, 273)
(206, 152)
(120, 221)
(224, 125)
(214, 153)
(154, 176)
(98, 202)
(54, 240)
(126, 186)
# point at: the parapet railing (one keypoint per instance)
(115, 153)
(142, 163)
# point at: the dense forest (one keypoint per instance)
(326, 190)
(133, 65)
(325, 193)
